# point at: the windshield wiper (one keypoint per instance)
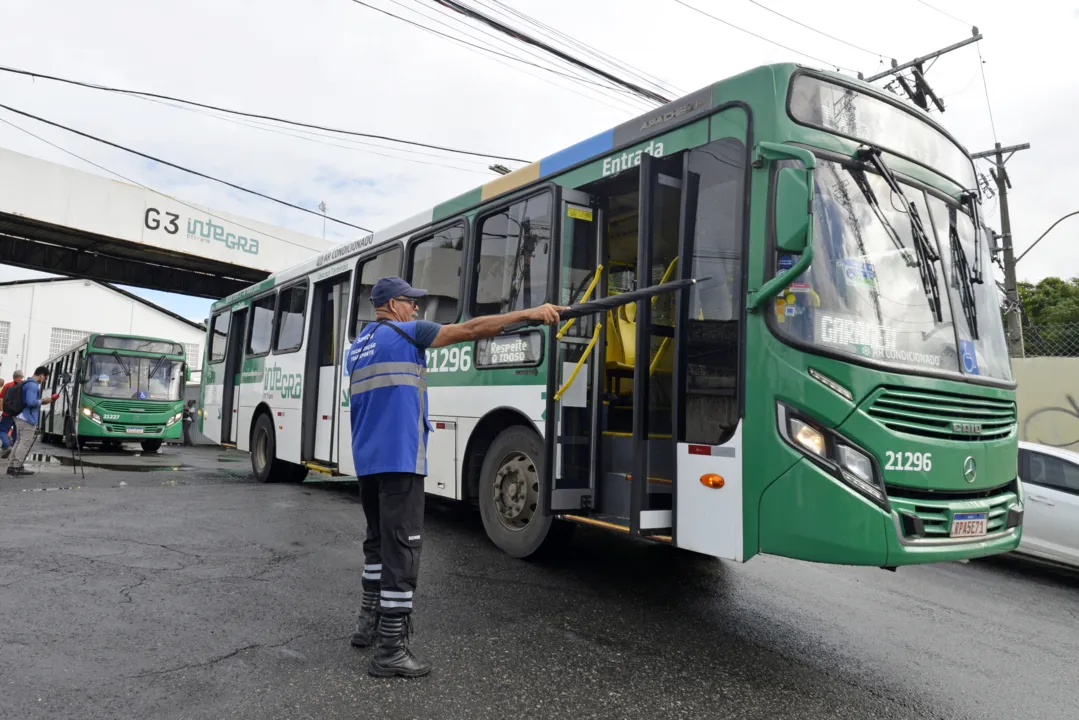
(155, 367)
(121, 361)
(971, 198)
(963, 273)
(923, 246)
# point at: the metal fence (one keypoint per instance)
(1051, 340)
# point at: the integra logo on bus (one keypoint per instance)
(290, 385)
(347, 249)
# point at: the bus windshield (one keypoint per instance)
(864, 294)
(846, 111)
(132, 378)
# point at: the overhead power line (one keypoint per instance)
(819, 32)
(765, 39)
(525, 38)
(985, 85)
(942, 12)
(257, 116)
(619, 95)
(147, 156)
(480, 47)
(560, 36)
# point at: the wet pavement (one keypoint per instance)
(173, 586)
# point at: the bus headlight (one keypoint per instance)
(857, 470)
(92, 415)
(808, 437)
(172, 420)
(830, 450)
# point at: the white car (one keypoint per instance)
(1050, 479)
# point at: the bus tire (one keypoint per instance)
(151, 446)
(511, 493)
(265, 465)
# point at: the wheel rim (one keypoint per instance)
(516, 491)
(262, 450)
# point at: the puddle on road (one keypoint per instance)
(41, 460)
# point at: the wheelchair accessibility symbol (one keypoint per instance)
(969, 357)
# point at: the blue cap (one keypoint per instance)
(388, 288)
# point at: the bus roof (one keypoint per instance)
(654, 122)
(88, 342)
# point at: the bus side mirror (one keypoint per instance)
(793, 210)
(187, 373)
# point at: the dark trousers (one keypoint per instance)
(393, 506)
(187, 432)
(7, 424)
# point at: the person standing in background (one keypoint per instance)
(26, 419)
(8, 435)
(188, 419)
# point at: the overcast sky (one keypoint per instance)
(337, 63)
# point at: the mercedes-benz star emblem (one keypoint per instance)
(970, 470)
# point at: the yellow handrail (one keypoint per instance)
(666, 276)
(659, 355)
(584, 298)
(580, 363)
(666, 341)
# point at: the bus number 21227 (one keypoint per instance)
(449, 359)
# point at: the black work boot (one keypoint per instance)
(392, 656)
(367, 622)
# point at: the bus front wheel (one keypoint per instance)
(265, 464)
(511, 494)
(151, 446)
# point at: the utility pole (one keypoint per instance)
(916, 87)
(1011, 287)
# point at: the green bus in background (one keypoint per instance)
(121, 388)
(836, 388)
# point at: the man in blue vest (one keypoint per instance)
(387, 369)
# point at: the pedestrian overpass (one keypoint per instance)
(60, 220)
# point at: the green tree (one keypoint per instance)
(1051, 302)
(1051, 308)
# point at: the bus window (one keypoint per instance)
(712, 322)
(291, 310)
(260, 329)
(219, 335)
(435, 264)
(386, 264)
(512, 255)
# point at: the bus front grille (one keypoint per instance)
(134, 406)
(146, 429)
(935, 510)
(943, 415)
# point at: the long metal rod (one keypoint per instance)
(594, 307)
(892, 71)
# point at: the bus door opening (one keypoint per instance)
(575, 348)
(230, 391)
(633, 467)
(323, 386)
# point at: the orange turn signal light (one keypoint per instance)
(712, 480)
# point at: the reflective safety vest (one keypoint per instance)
(388, 400)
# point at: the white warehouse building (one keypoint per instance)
(40, 318)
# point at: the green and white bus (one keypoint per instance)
(837, 390)
(122, 388)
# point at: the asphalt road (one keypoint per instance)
(172, 586)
